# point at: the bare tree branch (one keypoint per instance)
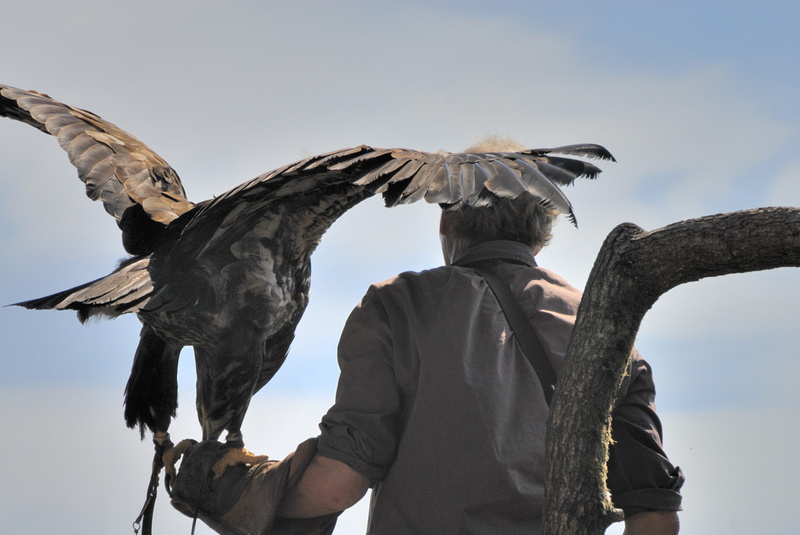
(633, 269)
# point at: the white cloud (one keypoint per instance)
(739, 306)
(785, 189)
(69, 455)
(739, 470)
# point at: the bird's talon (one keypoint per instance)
(236, 456)
(173, 454)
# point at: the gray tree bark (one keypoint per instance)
(633, 269)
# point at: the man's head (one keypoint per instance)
(522, 219)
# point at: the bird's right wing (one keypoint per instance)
(117, 168)
(457, 179)
(269, 226)
(321, 188)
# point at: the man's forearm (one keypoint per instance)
(327, 486)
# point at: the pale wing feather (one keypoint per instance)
(117, 169)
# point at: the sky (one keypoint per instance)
(697, 101)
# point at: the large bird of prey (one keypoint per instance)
(230, 276)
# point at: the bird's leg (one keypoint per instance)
(163, 444)
(236, 454)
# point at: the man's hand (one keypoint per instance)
(653, 523)
(245, 498)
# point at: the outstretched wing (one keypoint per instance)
(272, 224)
(117, 168)
(123, 291)
(453, 180)
(320, 188)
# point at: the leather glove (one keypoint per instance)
(245, 499)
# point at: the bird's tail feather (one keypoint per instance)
(151, 395)
(125, 290)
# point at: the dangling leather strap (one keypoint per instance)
(521, 327)
(145, 518)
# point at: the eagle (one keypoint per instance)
(230, 276)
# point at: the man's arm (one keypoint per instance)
(640, 476)
(653, 523)
(327, 486)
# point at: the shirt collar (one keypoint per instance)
(499, 250)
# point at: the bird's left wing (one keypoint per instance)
(116, 167)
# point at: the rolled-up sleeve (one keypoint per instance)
(360, 429)
(640, 476)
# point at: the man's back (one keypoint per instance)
(453, 395)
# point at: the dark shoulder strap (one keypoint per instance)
(522, 329)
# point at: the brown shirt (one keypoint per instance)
(439, 407)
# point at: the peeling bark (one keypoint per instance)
(633, 269)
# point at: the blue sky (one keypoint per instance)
(697, 100)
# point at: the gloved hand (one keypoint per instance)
(245, 499)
